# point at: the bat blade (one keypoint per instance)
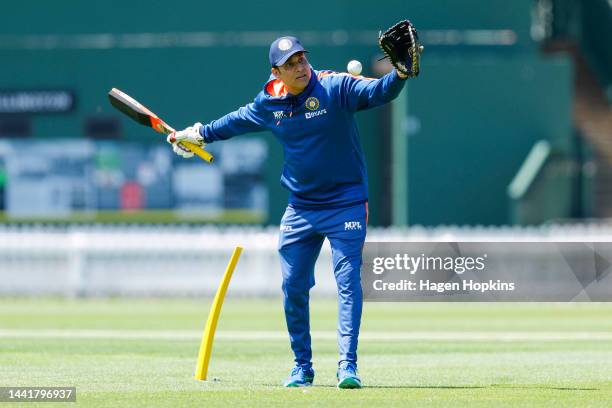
(141, 114)
(137, 111)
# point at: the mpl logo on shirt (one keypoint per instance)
(352, 225)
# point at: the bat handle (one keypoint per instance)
(203, 154)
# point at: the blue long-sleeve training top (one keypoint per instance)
(324, 164)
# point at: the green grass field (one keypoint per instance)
(142, 353)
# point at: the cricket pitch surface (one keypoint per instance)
(142, 353)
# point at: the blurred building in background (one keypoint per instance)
(509, 122)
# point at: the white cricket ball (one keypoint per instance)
(354, 67)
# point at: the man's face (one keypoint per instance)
(295, 73)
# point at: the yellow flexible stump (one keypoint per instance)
(213, 317)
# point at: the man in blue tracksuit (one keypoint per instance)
(311, 113)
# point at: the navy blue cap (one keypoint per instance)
(283, 48)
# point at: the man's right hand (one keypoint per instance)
(191, 135)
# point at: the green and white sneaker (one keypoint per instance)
(347, 376)
(300, 377)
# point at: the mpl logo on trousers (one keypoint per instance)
(352, 225)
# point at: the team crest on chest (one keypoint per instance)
(312, 103)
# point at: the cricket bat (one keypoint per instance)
(138, 112)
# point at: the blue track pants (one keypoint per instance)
(301, 237)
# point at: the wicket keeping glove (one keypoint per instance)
(191, 135)
(400, 44)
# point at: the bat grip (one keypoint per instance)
(203, 154)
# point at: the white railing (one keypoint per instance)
(174, 260)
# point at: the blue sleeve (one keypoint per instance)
(358, 93)
(246, 119)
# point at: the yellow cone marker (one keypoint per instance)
(213, 317)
